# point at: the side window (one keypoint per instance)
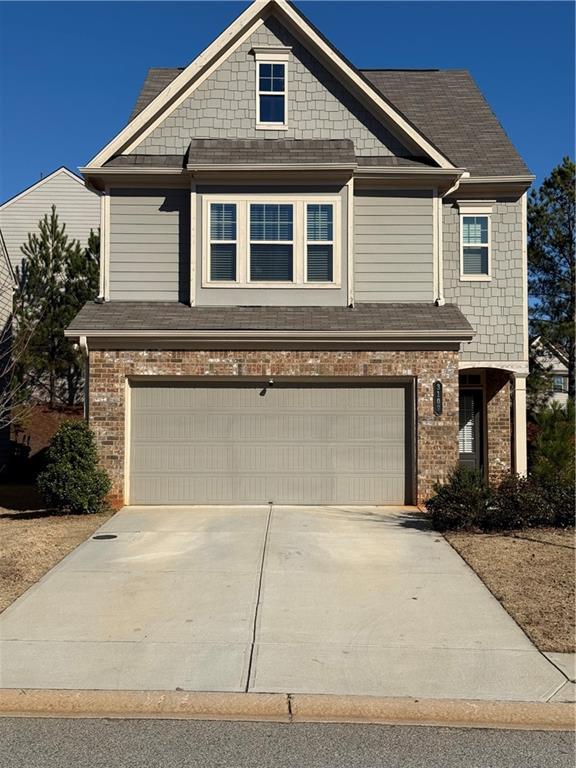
(319, 242)
(271, 94)
(475, 245)
(223, 242)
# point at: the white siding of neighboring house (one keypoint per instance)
(554, 366)
(6, 292)
(76, 206)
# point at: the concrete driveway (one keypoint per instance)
(277, 599)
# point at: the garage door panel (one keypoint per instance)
(296, 444)
(242, 489)
(225, 457)
(270, 427)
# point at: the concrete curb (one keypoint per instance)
(287, 708)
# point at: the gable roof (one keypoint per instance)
(441, 103)
(59, 171)
(181, 86)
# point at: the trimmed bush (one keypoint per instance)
(461, 503)
(72, 480)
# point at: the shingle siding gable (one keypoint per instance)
(224, 106)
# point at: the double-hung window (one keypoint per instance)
(475, 245)
(271, 242)
(319, 242)
(271, 93)
(257, 241)
(223, 242)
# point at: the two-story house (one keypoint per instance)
(313, 283)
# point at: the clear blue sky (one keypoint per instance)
(70, 72)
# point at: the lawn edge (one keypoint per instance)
(287, 708)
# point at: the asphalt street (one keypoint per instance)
(59, 743)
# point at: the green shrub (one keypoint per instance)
(72, 480)
(466, 503)
(460, 504)
(519, 502)
(561, 499)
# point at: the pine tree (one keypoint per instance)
(552, 262)
(56, 278)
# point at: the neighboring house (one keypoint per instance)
(7, 285)
(77, 206)
(554, 362)
(314, 280)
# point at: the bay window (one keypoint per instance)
(256, 242)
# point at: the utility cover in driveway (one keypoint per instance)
(247, 444)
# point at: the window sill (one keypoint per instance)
(271, 127)
(475, 278)
(267, 285)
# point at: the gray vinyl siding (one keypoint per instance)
(294, 444)
(277, 296)
(393, 245)
(150, 244)
(77, 207)
(494, 308)
(224, 106)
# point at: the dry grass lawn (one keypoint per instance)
(531, 572)
(33, 540)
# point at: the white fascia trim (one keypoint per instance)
(129, 170)
(385, 170)
(40, 183)
(452, 336)
(528, 179)
(242, 27)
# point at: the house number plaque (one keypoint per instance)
(437, 398)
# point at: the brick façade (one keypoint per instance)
(437, 436)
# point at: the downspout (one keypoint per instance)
(440, 300)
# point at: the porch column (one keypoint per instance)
(520, 441)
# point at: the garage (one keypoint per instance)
(254, 443)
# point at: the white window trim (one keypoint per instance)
(299, 203)
(272, 56)
(471, 208)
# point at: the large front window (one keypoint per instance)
(256, 242)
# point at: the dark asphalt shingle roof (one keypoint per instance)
(266, 151)
(164, 316)
(446, 106)
(449, 109)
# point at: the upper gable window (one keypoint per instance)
(475, 241)
(271, 87)
(271, 94)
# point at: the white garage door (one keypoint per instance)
(287, 444)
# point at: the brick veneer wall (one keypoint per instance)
(498, 424)
(437, 435)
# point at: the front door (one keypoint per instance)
(470, 434)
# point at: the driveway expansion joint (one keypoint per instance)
(258, 598)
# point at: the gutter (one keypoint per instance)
(461, 335)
